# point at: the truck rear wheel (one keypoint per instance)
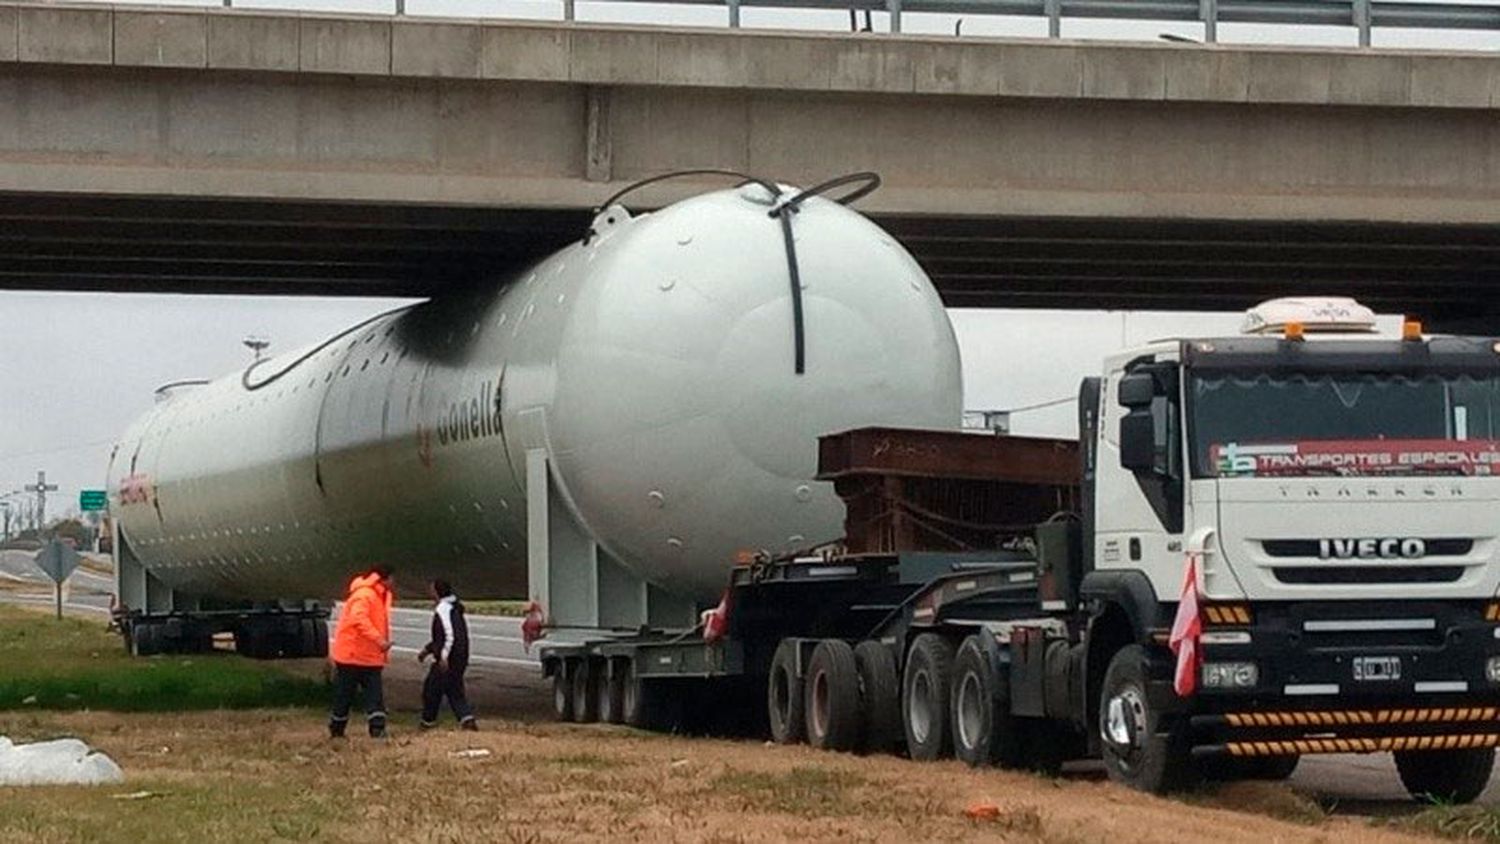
(784, 696)
(585, 690)
(879, 696)
(612, 693)
(984, 732)
(1141, 748)
(924, 697)
(1450, 776)
(832, 697)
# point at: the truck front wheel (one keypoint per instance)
(924, 697)
(1141, 748)
(1456, 776)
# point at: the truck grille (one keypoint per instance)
(1389, 573)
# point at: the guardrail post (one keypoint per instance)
(894, 7)
(734, 14)
(1362, 21)
(1054, 18)
(1209, 11)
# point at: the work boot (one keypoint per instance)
(336, 729)
(469, 724)
(424, 726)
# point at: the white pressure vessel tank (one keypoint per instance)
(654, 361)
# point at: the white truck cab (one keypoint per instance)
(1338, 490)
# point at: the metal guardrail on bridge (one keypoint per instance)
(1363, 16)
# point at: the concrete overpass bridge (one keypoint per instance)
(213, 150)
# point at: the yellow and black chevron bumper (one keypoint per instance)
(1289, 732)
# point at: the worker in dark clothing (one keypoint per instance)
(449, 649)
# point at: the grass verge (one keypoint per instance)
(1465, 823)
(76, 664)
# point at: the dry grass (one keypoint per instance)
(273, 776)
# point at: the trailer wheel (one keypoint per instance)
(880, 697)
(562, 690)
(145, 640)
(635, 699)
(1456, 776)
(313, 638)
(832, 697)
(1141, 748)
(924, 697)
(984, 731)
(784, 696)
(612, 692)
(586, 691)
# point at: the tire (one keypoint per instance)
(784, 705)
(1141, 748)
(635, 699)
(984, 731)
(585, 690)
(314, 638)
(144, 640)
(1446, 776)
(925, 687)
(1233, 768)
(611, 694)
(831, 697)
(562, 691)
(879, 697)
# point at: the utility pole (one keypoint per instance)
(5, 505)
(41, 488)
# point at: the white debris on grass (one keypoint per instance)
(60, 762)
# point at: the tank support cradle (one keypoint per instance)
(578, 583)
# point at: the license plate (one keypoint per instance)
(1377, 668)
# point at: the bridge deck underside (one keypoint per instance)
(118, 244)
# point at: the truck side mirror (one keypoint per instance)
(1138, 442)
(1137, 390)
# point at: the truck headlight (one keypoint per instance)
(1233, 675)
(1492, 669)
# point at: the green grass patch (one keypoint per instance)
(801, 791)
(76, 664)
(1465, 823)
(250, 811)
(587, 761)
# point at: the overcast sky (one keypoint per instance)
(75, 369)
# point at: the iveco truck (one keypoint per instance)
(1262, 546)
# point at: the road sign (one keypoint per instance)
(58, 561)
(91, 500)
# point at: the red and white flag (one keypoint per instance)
(1186, 628)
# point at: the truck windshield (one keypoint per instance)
(1281, 425)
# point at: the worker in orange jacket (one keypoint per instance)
(361, 648)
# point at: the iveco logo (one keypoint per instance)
(1345, 549)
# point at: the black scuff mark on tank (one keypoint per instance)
(499, 411)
